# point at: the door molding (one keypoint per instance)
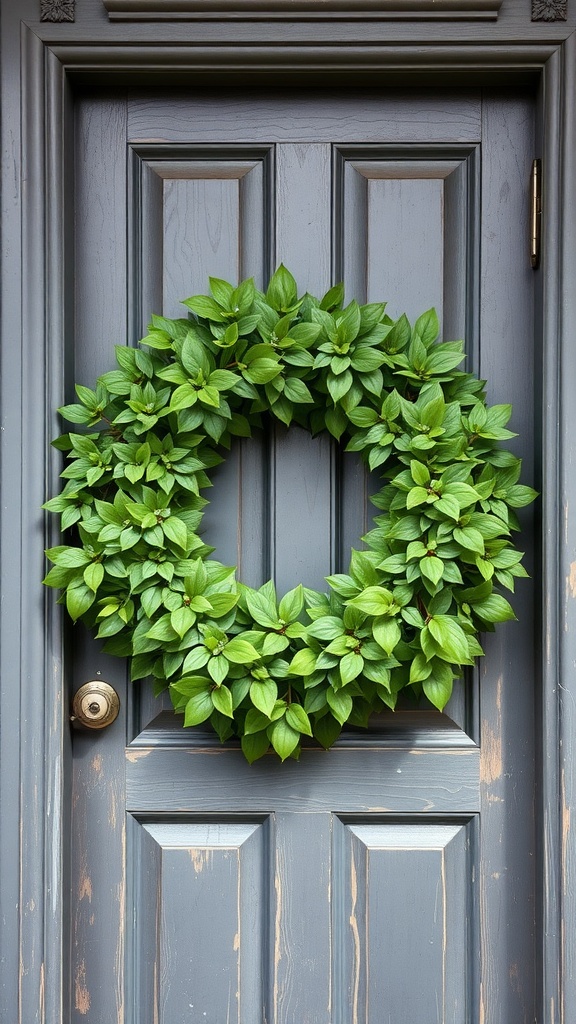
(34, 737)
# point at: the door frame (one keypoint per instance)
(39, 60)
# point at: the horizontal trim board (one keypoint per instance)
(390, 781)
(155, 10)
(188, 10)
(336, 60)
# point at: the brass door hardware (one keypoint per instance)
(535, 213)
(95, 705)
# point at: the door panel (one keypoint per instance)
(390, 879)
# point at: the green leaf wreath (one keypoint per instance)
(406, 615)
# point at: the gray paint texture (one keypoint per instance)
(318, 860)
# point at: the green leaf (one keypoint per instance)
(449, 505)
(93, 575)
(69, 558)
(292, 604)
(373, 601)
(79, 598)
(205, 307)
(470, 539)
(328, 627)
(351, 666)
(264, 695)
(494, 609)
(240, 652)
(196, 658)
(284, 738)
(518, 495)
(420, 473)
(450, 637)
(218, 669)
(282, 290)
(198, 708)
(298, 719)
(387, 633)
(427, 326)
(274, 643)
(221, 604)
(438, 685)
(340, 704)
(340, 385)
(303, 663)
(416, 496)
(432, 568)
(255, 721)
(176, 531)
(222, 701)
(327, 730)
(296, 391)
(181, 620)
(254, 746)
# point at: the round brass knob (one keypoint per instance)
(95, 705)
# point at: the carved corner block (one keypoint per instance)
(549, 10)
(57, 10)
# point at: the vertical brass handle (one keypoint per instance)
(95, 705)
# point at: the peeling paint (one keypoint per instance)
(85, 887)
(355, 939)
(277, 927)
(136, 755)
(201, 858)
(81, 993)
(491, 765)
(41, 994)
(571, 580)
(97, 764)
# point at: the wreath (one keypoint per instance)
(407, 614)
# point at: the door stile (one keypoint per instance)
(558, 735)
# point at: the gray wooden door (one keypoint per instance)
(391, 880)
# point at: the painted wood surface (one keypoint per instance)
(39, 68)
(327, 862)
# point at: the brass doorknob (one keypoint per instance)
(95, 705)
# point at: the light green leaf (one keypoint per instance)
(198, 708)
(79, 598)
(176, 531)
(68, 557)
(373, 601)
(181, 620)
(438, 685)
(340, 704)
(292, 604)
(433, 568)
(387, 633)
(298, 719)
(264, 695)
(494, 609)
(470, 539)
(450, 637)
(351, 666)
(93, 575)
(222, 701)
(240, 652)
(284, 738)
(303, 663)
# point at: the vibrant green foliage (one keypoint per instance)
(408, 613)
